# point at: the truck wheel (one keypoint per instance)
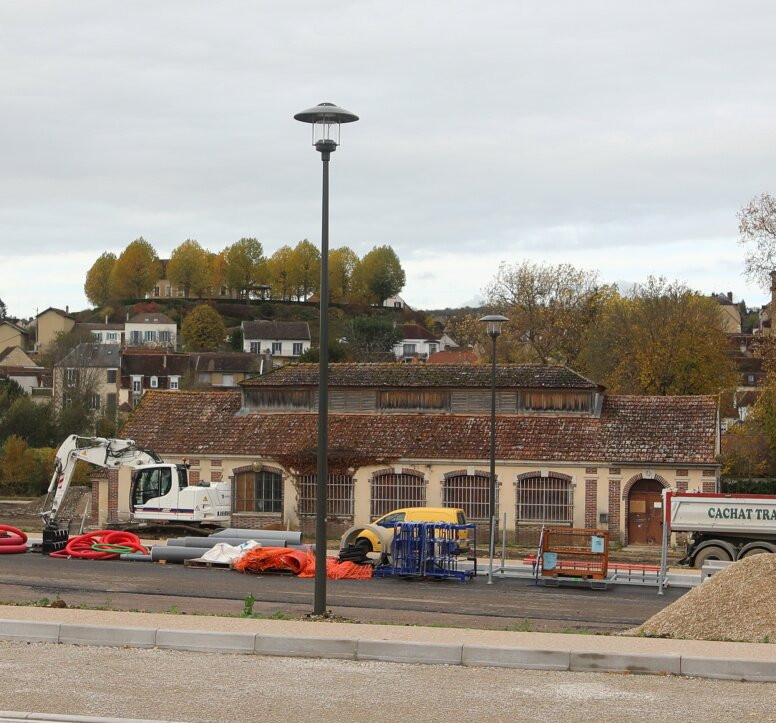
(754, 551)
(712, 552)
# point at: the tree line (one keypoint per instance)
(292, 274)
(659, 338)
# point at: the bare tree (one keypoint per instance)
(757, 232)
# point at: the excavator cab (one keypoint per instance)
(151, 483)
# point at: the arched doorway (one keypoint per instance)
(645, 512)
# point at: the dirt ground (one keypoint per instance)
(207, 687)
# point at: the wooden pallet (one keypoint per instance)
(199, 562)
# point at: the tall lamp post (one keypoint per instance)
(326, 119)
(494, 322)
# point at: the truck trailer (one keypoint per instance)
(722, 526)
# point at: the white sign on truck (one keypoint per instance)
(736, 515)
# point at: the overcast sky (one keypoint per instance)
(619, 136)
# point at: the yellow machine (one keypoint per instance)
(454, 515)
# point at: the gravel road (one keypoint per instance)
(155, 684)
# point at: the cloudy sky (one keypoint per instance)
(620, 136)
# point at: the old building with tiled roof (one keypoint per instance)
(566, 452)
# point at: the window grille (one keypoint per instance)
(258, 492)
(339, 495)
(174, 382)
(545, 499)
(391, 491)
(297, 348)
(277, 347)
(470, 492)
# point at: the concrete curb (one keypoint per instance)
(393, 651)
(13, 715)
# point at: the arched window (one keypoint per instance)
(258, 491)
(391, 490)
(545, 499)
(470, 492)
(339, 495)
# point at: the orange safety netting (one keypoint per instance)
(300, 562)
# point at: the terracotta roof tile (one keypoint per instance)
(676, 430)
(526, 376)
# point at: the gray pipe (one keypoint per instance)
(136, 557)
(211, 541)
(174, 554)
(292, 536)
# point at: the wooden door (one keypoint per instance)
(645, 513)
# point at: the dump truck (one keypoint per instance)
(722, 526)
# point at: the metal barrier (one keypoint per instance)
(574, 552)
(428, 549)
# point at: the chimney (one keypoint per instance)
(730, 296)
(106, 319)
(67, 309)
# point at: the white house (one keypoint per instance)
(151, 329)
(282, 339)
(417, 343)
(395, 302)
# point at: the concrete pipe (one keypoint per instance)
(292, 537)
(383, 534)
(208, 542)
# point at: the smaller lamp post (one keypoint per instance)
(494, 322)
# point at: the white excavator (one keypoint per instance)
(160, 491)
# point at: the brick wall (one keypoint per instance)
(334, 528)
(591, 504)
(614, 511)
(256, 521)
(113, 495)
(97, 476)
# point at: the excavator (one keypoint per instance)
(160, 491)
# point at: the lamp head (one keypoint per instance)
(326, 119)
(494, 322)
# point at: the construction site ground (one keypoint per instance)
(509, 603)
(206, 686)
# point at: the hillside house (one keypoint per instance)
(13, 335)
(567, 453)
(284, 340)
(92, 370)
(151, 329)
(418, 343)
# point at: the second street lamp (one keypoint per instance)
(494, 322)
(325, 119)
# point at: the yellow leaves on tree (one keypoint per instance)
(203, 329)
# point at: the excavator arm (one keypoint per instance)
(97, 451)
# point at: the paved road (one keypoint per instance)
(67, 679)
(154, 588)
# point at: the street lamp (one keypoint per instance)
(326, 119)
(494, 322)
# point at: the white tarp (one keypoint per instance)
(223, 552)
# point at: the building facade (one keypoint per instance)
(566, 452)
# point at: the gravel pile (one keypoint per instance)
(735, 604)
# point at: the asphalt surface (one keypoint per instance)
(510, 603)
(204, 687)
